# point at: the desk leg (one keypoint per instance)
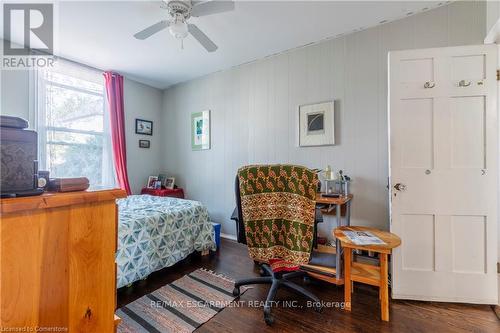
(338, 247)
(347, 278)
(384, 289)
(348, 214)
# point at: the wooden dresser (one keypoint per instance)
(57, 261)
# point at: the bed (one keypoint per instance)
(157, 232)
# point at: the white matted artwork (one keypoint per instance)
(316, 124)
(200, 130)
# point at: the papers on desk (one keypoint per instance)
(363, 238)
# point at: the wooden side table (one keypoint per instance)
(365, 273)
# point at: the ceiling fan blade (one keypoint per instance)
(202, 38)
(149, 31)
(204, 8)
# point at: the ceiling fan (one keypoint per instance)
(179, 12)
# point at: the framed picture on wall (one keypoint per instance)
(144, 127)
(200, 130)
(317, 124)
(144, 143)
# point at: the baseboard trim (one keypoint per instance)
(227, 236)
(444, 299)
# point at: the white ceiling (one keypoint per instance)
(100, 34)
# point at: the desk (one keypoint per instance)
(320, 199)
(336, 203)
(369, 274)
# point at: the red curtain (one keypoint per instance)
(114, 91)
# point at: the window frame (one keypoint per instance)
(41, 85)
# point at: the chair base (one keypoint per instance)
(276, 280)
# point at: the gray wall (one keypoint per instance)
(254, 110)
(492, 14)
(141, 101)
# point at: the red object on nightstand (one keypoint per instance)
(164, 192)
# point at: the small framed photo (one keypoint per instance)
(317, 124)
(157, 185)
(163, 179)
(144, 143)
(144, 127)
(152, 181)
(170, 182)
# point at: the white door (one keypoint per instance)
(443, 173)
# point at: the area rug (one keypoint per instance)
(181, 306)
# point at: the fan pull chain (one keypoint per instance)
(182, 43)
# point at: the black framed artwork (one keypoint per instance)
(144, 143)
(144, 127)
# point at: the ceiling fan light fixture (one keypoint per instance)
(179, 29)
(179, 12)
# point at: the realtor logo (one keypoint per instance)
(30, 26)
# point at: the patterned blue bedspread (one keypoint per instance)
(156, 232)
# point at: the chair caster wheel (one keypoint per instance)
(306, 280)
(236, 291)
(268, 318)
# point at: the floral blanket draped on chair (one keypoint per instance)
(277, 203)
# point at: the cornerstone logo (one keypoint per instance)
(28, 35)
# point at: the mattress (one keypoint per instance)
(157, 232)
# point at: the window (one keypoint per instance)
(73, 124)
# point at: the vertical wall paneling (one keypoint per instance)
(255, 107)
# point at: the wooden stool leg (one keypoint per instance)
(347, 278)
(384, 288)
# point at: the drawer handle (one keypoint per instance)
(429, 85)
(463, 83)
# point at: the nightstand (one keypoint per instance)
(164, 192)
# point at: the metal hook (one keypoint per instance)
(463, 83)
(429, 84)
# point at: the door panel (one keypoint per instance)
(416, 76)
(419, 232)
(416, 121)
(444, 148)
(465, 230)
(468, 67)
(467, 132)
(415, 71)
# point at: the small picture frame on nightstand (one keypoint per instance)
(170, 183)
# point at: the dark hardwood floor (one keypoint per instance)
(406, 316)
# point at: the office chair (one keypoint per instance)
(277, 206)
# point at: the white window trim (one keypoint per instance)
(36, 113)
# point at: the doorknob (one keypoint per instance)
(400, 187)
